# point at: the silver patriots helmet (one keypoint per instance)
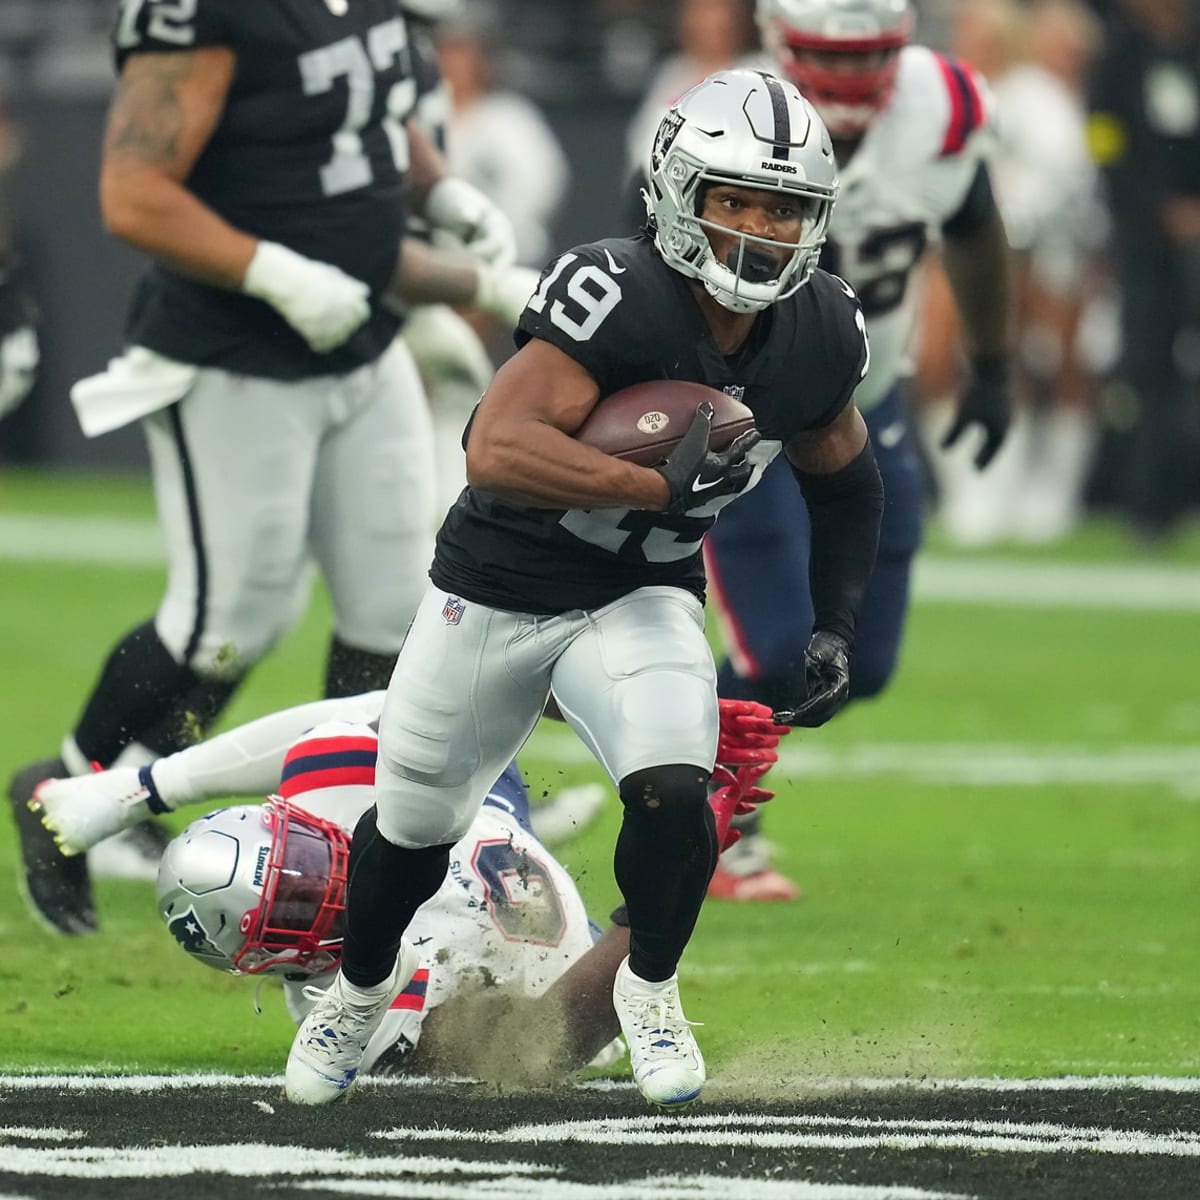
(257, 888)
(865, 35)
(748, 129)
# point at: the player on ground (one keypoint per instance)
(260, 889)
(910, 130)
(564, 572)
(261, 156)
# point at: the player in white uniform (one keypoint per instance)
(261, 888)
(910, 130)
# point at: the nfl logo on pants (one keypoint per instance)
(453, 610)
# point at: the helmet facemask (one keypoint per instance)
(759, 271)
(298, 924)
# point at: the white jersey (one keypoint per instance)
(910, 173)
(507, 915)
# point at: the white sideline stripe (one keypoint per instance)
(84, 1082)
(778, 1133)
(136, 542)
(239, 1159)
(982, 764)
(658, 1187)
(33, 1133)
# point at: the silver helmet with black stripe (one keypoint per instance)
(748, 129)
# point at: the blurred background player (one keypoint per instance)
(1144, 132)
(498, 140)
(910, 130)
(1035, 57)
(18, 314)
(284, 419)
(260, 889)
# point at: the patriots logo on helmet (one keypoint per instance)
(190, 934)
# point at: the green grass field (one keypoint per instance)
(1001, 859)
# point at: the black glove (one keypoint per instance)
(695, 474)
(827, 681)
(986, 401)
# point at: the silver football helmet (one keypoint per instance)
(257, 888)
(748, 129)
(865, 35)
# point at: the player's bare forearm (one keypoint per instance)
(163, 112)
(979, 266)
(520, 447)
(426, 166)
(832, 447)
(426, 275)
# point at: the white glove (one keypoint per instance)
(504, 291)
(319, 301)
(456, 207)
(19, 357)
(87, 809)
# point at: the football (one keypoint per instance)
(643, 423)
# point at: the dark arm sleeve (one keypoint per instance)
(844, 511)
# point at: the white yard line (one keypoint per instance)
(85, 1082)
(982, 764)
(135, 542)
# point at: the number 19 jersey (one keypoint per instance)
(626, 317)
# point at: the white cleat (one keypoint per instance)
(332, 1040)
(667, 1064)
(86, 809)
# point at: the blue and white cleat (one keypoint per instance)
(667, 1064)
(332, 1040)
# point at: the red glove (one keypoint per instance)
(736, 794)
(748, 734)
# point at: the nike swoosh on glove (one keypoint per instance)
(695, 474)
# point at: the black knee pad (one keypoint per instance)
(672, 788)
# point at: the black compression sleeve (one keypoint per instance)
(844, 511)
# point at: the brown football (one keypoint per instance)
(643, 423)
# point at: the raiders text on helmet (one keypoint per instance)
(866, 36)
(257, 888)
(746, 129)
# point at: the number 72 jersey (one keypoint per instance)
(618, 310)
(309, 150)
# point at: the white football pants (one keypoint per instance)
(634, 679)
(253, 476)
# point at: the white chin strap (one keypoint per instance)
(736, 294)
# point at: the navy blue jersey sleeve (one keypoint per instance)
(593, 309)
(146, 27)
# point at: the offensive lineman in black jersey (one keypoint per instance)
(565, 574)
(261, 154)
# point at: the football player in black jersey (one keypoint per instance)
(262, 156)
(563, 573)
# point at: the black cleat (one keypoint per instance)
(56, 889)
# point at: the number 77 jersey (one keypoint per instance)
(626, 317)
(910, 174)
